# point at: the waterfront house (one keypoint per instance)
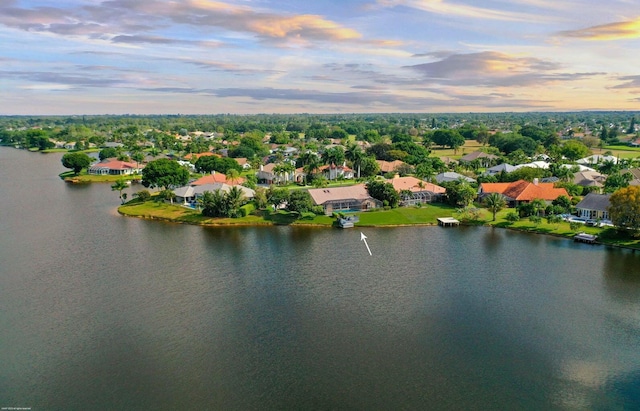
(351, 198)
(113, 166)
(189, 195)
(421, 191)
(522, 191)
(594, 207)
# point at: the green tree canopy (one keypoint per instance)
(164, 173)
(574, 150)
(384, 192)
(76, 161)
(108, 152)
(624, 208)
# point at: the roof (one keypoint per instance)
(507, 168)
(522, 190)
(534, 164)
(113, 164)
(476, 155)
(451, 176)
(593, 201)
(356, 192)
(589, 178)
(216, 178)
(596, 159)
(415, 185)
(389, 166)
(191, 191)
(333, 166)
(198, 155)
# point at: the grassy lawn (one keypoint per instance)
(405, 215)
(606, 235)
(83, 177)
(425, 215)
(469, 147)
(179, 214)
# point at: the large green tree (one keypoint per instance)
(383, 191)
(76, 161)
(624, 209)
(164, 173)
(574, 149)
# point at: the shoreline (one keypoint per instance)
(257, 223)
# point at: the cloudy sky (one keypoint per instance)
(317, 56)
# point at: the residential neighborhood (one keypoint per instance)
(330, 170)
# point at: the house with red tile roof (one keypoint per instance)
(113, 166)
(196, 156)
(216, 177)
(522, 191)
(421, 191)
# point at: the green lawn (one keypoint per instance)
(427, 214)
(606, 235)
(83, 177)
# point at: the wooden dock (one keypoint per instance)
(448, 222)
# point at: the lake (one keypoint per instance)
(104, 312)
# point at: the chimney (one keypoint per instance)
(535, 181)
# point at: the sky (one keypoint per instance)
(66, 57)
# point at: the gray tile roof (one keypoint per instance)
(593, 201)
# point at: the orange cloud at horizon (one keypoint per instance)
(612, 31)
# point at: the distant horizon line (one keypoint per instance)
(321, 114)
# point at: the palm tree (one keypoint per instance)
(310, 162)
(120, 185)
(355, 154)
(282, 169)
(234, 199)
(233, 175)
(495, 202)
(564, 173)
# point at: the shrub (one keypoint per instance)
(512, 217)
(318, 210)
(142, 195)
(247, 209)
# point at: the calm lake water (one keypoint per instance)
(99, 311)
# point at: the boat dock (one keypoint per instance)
(448, 222)
(585, 238)
(348, 222)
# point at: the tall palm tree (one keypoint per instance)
(282, 169)
(355, 154)
(310, 162)
(495, 202)
(233, 175)
(120, 185)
